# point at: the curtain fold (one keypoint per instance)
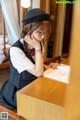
(10, 12)
(45, 5)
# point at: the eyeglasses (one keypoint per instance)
(41, 33)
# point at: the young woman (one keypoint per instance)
(26, 56)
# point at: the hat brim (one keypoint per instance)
(44, 17)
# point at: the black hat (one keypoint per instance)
(35, 15)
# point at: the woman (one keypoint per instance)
(26, 56)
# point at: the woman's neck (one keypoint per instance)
(29, 47)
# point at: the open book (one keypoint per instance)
(61, 73)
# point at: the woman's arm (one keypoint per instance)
(51, 65)
(38, 68)
(22, 63)
(46, 67)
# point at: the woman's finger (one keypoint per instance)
(53, 65)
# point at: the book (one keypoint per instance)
(61, 73)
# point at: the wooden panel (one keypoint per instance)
(46, 90)
(43, 99)
(72, 108)
(35, 109)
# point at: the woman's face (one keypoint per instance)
(40, 34)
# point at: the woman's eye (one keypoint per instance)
(40, 33)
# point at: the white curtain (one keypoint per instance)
(35, 3)
(44, 4)
(10, 12)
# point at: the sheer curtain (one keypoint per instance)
(10, 12)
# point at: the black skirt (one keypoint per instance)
(8, 95)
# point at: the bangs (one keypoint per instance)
(45, 27)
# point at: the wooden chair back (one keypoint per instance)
(52, 60)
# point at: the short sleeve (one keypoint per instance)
(19, 60)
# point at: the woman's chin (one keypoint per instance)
(40, 40)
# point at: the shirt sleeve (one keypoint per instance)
(19, 60)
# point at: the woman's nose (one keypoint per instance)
(42, 36)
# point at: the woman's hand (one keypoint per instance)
(53, 65)
(33, 42)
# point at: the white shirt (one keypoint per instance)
(19, 59)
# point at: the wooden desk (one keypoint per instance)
(43, 99)
(66, 61)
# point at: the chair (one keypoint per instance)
(12, 113)
(52, 60)
(4, 65)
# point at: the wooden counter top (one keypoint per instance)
(47, 90)
(42, 99)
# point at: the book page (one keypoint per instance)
(61, 73)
